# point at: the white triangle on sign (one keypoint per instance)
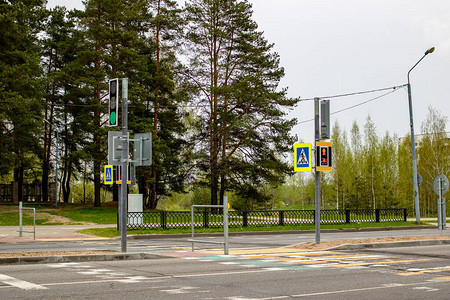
(302, 160)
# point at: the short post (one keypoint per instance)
(281, 218)
(245, 218)
(377, 215)
(441, 207)
(21, 208)
(192, 226)
(20, 219)
(225, 223)
(347, 216)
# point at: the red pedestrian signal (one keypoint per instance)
(323, 156)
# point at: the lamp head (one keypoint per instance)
(431, 50)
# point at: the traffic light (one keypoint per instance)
(113, 112)
(323, 156)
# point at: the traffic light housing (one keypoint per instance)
(325, 119)
(113, 112)
(323, 156)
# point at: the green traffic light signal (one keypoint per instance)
(113, 101)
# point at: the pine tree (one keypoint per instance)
(20, 88)
(236, 76)
(110, 29)
(58, 55)
(157, 107)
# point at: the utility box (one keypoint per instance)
(135, 210)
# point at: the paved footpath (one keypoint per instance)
(10, 234)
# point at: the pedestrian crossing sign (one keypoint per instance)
(108, 175)
(302, 157)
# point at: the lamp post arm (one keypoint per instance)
(415, 66)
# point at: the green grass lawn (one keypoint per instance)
(12, 219)
(9, 214)
(90, 214)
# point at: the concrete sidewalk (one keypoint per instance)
(10, 234)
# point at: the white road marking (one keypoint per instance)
(426, 289)
(181, 290)
(21, 284)
(94, 271)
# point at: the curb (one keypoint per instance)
(76, 258)
(391, 245)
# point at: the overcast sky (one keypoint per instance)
(333, 47)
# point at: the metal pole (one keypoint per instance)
(411, 124)
(439, 207)
(34, 223)
(225, 223)
(124, 162)
(414, 161)
(20, 218)
(192, 226)
(317, 174)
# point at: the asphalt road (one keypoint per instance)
(155, 245)
(258, 273)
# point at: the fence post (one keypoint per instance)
(347, 216)
(377, 215)
(405, 214)
(244, 218)
(205, 218)
(281, 217)
(163, 219)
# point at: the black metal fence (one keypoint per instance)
(208, 219)
(9, 193)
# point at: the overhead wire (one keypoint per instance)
(393, 90)
(355, 93)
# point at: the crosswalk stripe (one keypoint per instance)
(378, 263)
(334, 257)
(446, 278)
(419, 272)
(21, 284)
(320, 261)
(291, 254)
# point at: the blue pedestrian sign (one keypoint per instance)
(302, 157)
(108, 175)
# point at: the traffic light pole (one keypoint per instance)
(317, 173)
(124, 162)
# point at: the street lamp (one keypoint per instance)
(411, 124)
